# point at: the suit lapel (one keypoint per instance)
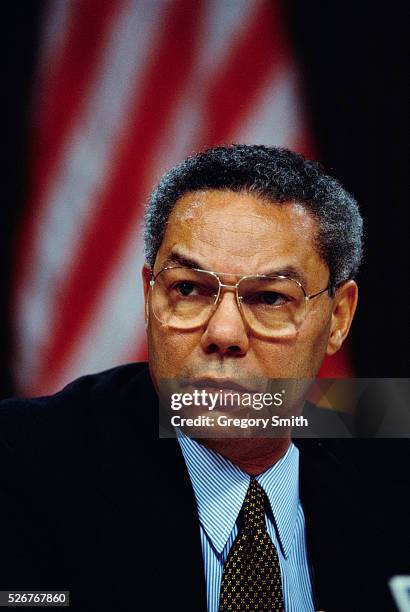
(181, 536)
(147, 517)
(180, 563)
(331, 501)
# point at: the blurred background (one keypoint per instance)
(100, 97)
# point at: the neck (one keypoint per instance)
(253, 456)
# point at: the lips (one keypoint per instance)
(216, 384)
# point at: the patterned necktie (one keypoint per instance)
(251, 577)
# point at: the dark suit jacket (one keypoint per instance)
(92, 502)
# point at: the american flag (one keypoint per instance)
(125, 89)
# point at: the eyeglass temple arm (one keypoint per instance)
(330, 288)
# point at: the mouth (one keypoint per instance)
(216, 384)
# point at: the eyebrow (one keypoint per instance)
(175, 258)
(181, 260)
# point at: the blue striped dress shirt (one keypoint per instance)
(220, 488)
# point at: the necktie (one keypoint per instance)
(251, 577)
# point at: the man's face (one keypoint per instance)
(240, 234)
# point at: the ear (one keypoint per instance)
(344, 306)
(146, 274)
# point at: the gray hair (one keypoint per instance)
(274, 174)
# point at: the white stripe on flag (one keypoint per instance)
(118, 321)
(276, 117)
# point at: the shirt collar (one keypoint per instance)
(215, 478)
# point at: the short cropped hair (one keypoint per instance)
(276, 175)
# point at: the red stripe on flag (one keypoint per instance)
(172, 61)
(237, 83)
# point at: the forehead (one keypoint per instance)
(240, 233)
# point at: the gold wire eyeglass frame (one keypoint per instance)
(235, 287)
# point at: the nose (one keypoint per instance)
(226, 332)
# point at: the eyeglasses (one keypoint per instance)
(272, 306)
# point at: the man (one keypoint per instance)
(251, 254)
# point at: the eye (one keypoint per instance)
(272, 298)
(268, 298)
(185, 288)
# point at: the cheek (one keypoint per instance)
(277, 359)
(169, 350)
(300, 357)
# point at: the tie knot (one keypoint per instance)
(253, 509)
